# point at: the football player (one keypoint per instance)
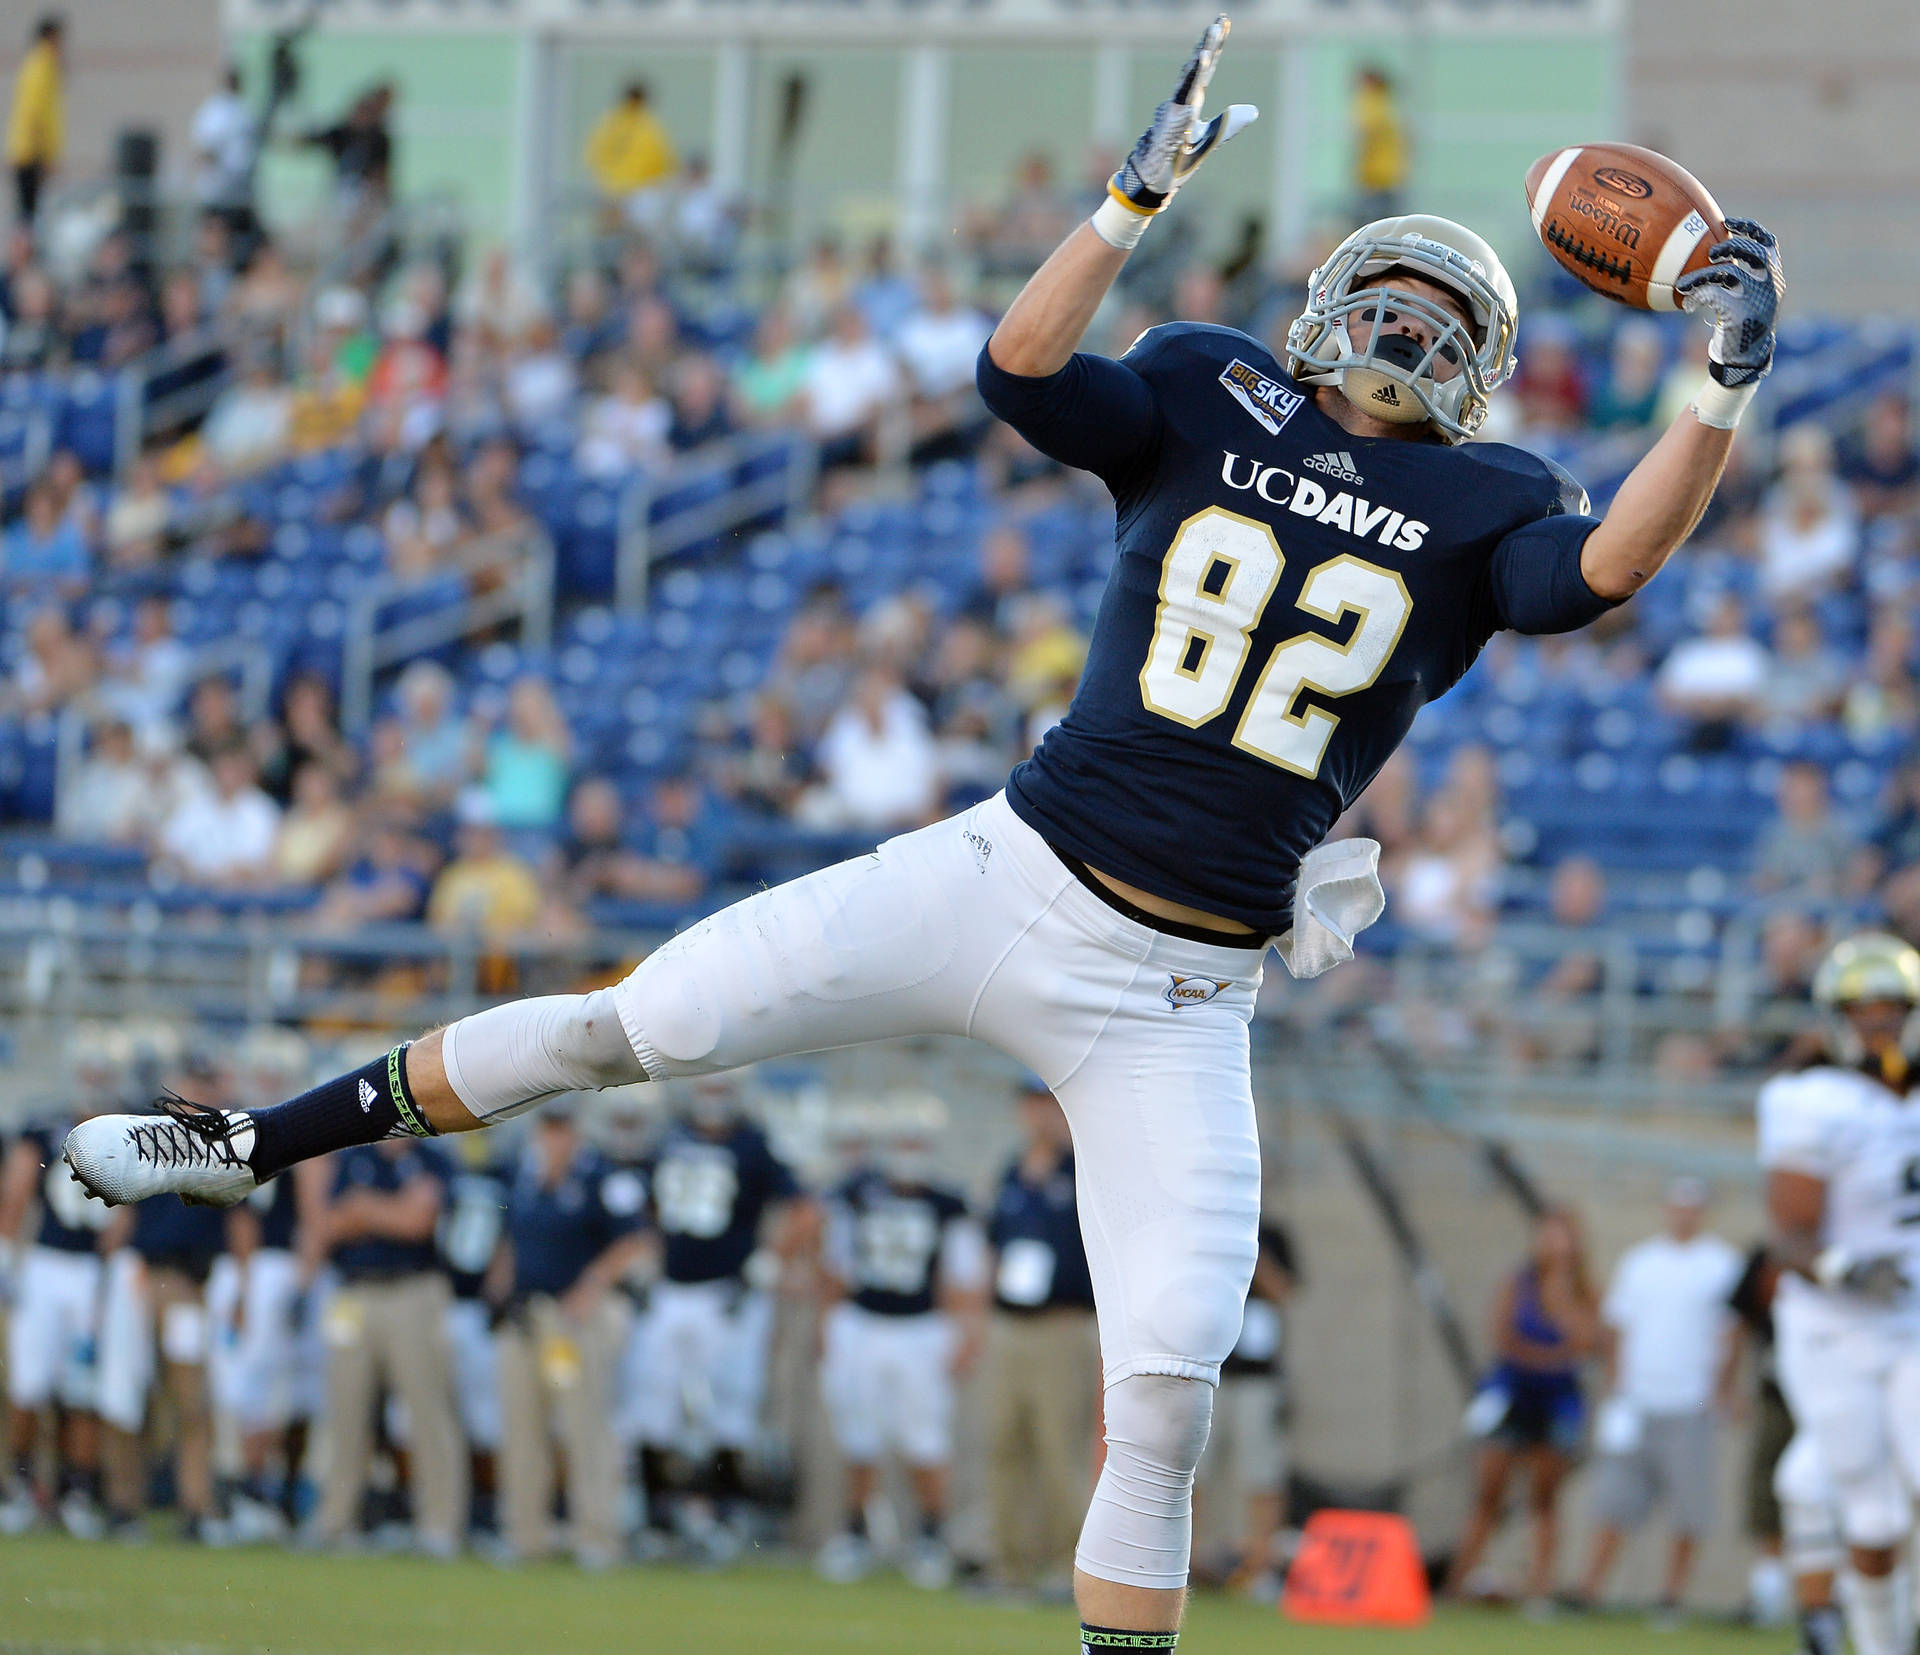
(907, 1270)
(1840, 1144)
(1306, 554)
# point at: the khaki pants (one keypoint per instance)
(393, 1333)
(175, 1302)
(1043, 1388)
(556, 1382)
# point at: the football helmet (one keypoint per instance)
(1859, 970)
(1392, 378)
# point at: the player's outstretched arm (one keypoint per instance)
(1043, 325)
(1664, 495)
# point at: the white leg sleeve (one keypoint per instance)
(1139, 1529)
(503, 1061)
(1879, 1613)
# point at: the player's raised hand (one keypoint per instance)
(1174, 144)
(1739, 295)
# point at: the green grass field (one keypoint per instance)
(58, 1597)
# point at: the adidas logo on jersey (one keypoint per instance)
(1191, 991)
(367, 1096)
(1334, 465)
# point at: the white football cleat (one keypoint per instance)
(197, 1154)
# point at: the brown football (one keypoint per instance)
(1629, 223)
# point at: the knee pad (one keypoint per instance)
(1139, 1529)
(1874, 1509)
(503, 1061)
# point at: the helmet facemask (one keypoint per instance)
(1393, 378)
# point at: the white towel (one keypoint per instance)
(1336, 897)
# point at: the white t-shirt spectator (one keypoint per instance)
(848, 384)
(885, 777)
(223, 141)
(215, 838)
(1800, 558)
(1668, 1302)
(107, 802)
(1715, 669)
(622, 436)
(940, 351)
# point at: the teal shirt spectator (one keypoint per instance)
(526, 782)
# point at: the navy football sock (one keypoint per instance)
(1095, 1639)
(363, 1107)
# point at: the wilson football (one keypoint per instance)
(1629, 223)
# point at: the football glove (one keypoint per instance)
(1174, 144)
(1880, 1278)
(1738, 294)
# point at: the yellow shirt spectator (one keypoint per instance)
(629, 149)
(37, 128)
(485, 889)
(1380, 140)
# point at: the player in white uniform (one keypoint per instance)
(1840, 1143)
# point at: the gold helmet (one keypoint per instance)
(1861, 970)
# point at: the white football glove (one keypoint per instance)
(1879, 1278)
(1174, 144)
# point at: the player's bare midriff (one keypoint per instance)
(1179, 912)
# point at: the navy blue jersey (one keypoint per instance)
(387, 1168)
(558, 1230)
(1286, 596)
(70, 1219)
(170, 1234)
(276, 1205)
(471, 1225)
(709, 1195)
(1035, 1231)
(885, 1241)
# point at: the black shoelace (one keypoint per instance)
(187, 1135)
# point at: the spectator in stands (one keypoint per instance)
(631, 156)
(1806, 851)
(625, 430)
(490, 478)
(884, 294)
(1447, 884)
(876, 760)
(1668, 1342)
(539, 383)
(1005, 574)
(31, 341)
(700, 412)
(223, 837)
(938, 344)
(437, 747)
(147, 677)
(485, 890)
(573, 1230)
(1629, 395)
(597, 860)
(1716, 680)
(527, 761)
(386, 882)
(1804, 680)
(653, 337)
(1529, 1412)
(108, 798)
(213, 718)
(1810, 533)
(1883, 700)
(360, 144)
(251, 424)
(1882, 462)
(1549, 386)
(225, 139)
(316, 832)
(816, 292)
(1042, 1369)
(1894, 844)
(308, 733)
(1380, 153)
(814, 666)
(139, 518)
(498, 304)
(852, 387)
(590, 328)
(58, 668)
(766, 778)
(44, 553)
(263, 303)
(1015, 236)
(36, 125)
(386, 1332)
(770, 382)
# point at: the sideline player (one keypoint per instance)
(906, 1270)
(1840, 1144)
(1267, 635)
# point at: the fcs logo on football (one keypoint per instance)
(1304, 497)
(1191, 991)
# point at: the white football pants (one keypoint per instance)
(974, 927)
(887, 1386)
(252, 1356)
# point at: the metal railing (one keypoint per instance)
(166, 390)
(646, 538)
(522, 558)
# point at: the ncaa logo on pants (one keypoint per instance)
(1191, 991)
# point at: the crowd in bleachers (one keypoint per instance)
(830, 675)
